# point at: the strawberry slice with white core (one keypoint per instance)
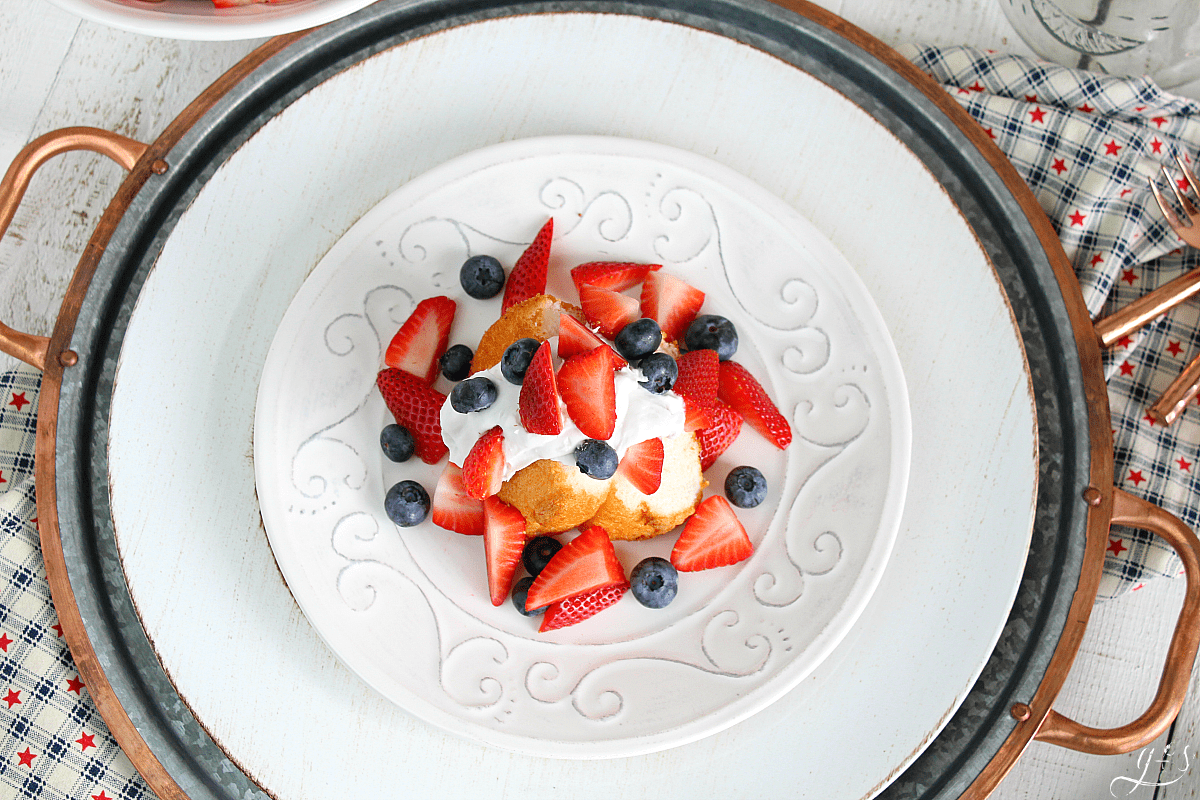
(574, 339)
(528, 276)
(699, 375)
(615, 275)
(422, 338)
(712, 537)
(670, 302)
(589, 391)
(607, 311)
(454, 509)
(483, 468)
(503, 541)
(744, 394)
(642, 465)
(577, 609)
(537, 404)
(417, 406)
(585, 563)
(724, 426)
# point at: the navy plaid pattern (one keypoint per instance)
(53, 743)
(1087, 145)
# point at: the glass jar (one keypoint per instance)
(1159, 38)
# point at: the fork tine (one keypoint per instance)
(1163, 205)
(1179, 196)
(1189, 207)
(1187, 173)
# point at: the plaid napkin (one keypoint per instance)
(1087, 145)
(53, 743)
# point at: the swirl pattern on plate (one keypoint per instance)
(408, 610)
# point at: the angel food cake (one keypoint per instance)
(599, 418)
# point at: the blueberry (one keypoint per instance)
(397, 443)
(481, 277)
(654, 582)
(745, 487)
(456, 362)
(712, 332)
(473, 394)
(638, 339)
(520, 593)
(538, 552)
(406, 503)
(516, 360)
(659, 371)
(596, 459)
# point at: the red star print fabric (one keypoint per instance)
(1088, 145)
(53, 743)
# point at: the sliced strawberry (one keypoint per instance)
(528, 276)
(671, 303)
(715, 439)
(699, 372)
(585, 563)
(642, 465)
(607, 311)
(745, 395)
(695, 416)
(538, 401)
(575, 339)
(614, 275)
(422, 338)
(503, 541)
(483, 468)
(589, 391)
(417, 406)
(580, 607)
(712, 537)
(454, 509)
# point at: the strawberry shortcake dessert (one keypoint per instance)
(598, 418)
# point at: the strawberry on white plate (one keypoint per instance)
(503, 541)
(454, 509)
(483, 468)
(724, 425)
(616, 276)
(712, 537)
(574, 610)
(574, 339)
(670, 302)
(417, 406)
(422, 338)
(537, 404)
(642, 465)
(585, 563)
(607, 311)
(745, 395)
(528, 276)
(588, 389)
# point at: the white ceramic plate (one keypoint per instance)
(408, 609)
(200, 20)
(198, 565)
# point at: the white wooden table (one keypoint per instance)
(57, 70)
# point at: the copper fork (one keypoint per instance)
(1185, 387)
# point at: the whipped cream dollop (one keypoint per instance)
(641, 415)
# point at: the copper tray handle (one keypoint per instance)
(1059, 730)
(1175, 398)
(31, 349)
(1110, 329)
